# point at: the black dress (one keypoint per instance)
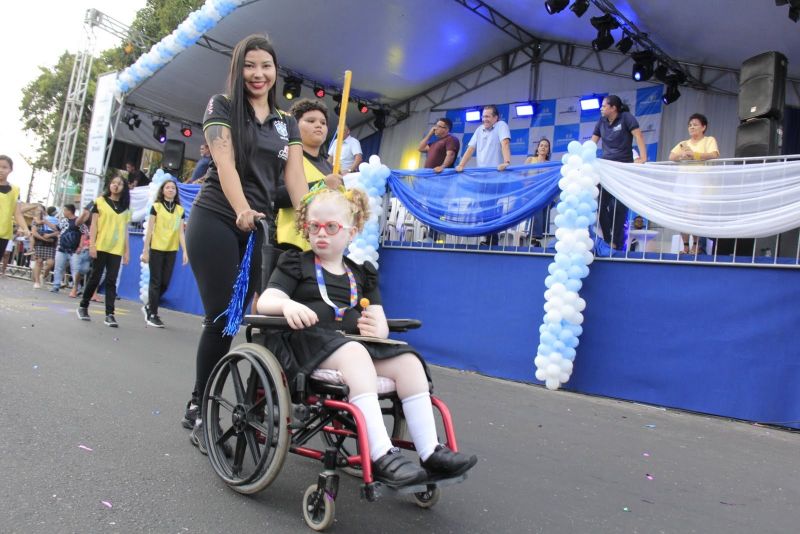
(301, 351)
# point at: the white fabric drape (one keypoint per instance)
(730, 201)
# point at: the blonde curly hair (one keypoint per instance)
(355, 199)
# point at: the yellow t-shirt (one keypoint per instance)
(112, 228)
(703, 146)
(167, 231)
(8, 206)
(285, 231)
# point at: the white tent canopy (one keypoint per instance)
(401, 48)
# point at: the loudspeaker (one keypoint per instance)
(759, 137)
(762, 86)
(173, 156)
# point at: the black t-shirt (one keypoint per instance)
(295, 275)
(261, 178)
(5, 188)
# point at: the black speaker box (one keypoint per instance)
(172, 161)
(762, 86)
(759, 137)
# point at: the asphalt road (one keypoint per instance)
(551, 462)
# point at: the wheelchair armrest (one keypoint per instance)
(403, 325)
(276, 322)
(279, 322)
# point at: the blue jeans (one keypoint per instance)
(61, 263)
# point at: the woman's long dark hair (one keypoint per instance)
(124, 197)
(616, 102)
(241, 110)
(549, 148)
(160, 194)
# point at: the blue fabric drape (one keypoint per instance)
(477, 201)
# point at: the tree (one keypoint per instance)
(43, 99)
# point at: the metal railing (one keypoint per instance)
(647, 242)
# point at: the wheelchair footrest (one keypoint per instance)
(433, 482)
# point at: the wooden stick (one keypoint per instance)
(337, 157)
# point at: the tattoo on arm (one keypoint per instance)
(219, 142)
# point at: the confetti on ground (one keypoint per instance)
(646, 454)
(35, 366)
(649, 426)
(84, 447)
(156, 412)
(648, 476)
(107, 504)
(116, 339)
(626, 509)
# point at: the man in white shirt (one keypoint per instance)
(352, 156)
(492, 142)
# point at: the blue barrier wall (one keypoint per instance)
(711, 339)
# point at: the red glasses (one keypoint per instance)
(331, 227)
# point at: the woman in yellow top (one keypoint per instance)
(9, 206)
(165, 230)
(312, 120)
(108, 245)
(699, 147)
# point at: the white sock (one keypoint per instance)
(421, 425)
(379, 441)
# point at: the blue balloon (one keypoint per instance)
(574, 147)
(575, 272)
(547, 339)
(574, 285)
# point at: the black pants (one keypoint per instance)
(3, 245)
(613, 215)
(161, 265)
(110, 264)
(215, 247)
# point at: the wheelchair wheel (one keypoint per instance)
(246, 409)
(393, 416)
(426, 499)
(318, 508)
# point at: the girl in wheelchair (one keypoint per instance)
(318, 292)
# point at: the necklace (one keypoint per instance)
(114, 204)
(323, 291)
(169, 206)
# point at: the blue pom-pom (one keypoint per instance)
(235, 309)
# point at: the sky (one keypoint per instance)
(34, 34)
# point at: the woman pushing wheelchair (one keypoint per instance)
(321, 294)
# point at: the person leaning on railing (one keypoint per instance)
(699, 147)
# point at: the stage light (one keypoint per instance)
(291, 87)
(132, 121)
(603, 25)
(319, 91)
(362, 106)
(794, 8)
(160, 130)
(672, 94)
(590, 102)
(625, 44)
(642, 65)
(473, 115)
(380, 119)
(524, 110)
(660, 72)
(555, 6)
(186, 130)
(579, 7)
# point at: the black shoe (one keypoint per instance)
(190, 415)
(54, 290)
(111, 321)
(198, 439)
(394, 469)
(83, 313)
(145, 312)
(155, 321)
(445, 462)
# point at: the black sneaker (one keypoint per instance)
(111, 321)
(145, 312)
(83, 313)
(444, 462)
(155, 321)
(394, 469)
(190, 415)
(198, 438)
